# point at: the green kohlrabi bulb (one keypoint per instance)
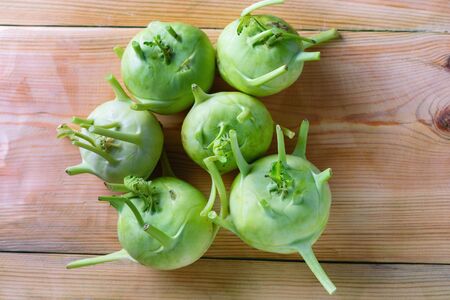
(205, 128)
(262, 55)
(159, 224)
(280, 203)
(114, 140)
(161, 63)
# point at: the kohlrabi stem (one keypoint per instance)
(266, 77)
(116, 187)
(118, 50)
(138, 50)
(300, 148)
(81, 121)
(280, 145)
(287, 132)
(218, 182)
(78, 169)
(212, 198)
(199, 94)
(110, 125)
(173, 33)
(244, 115)
(308, 56)
(242, 164)
(260, 4)
(96, 150)
(165, 165)
(322, 178)
(128, 202)
(117, 88)
(322, 37)
(121, 254)
(121, 136)
(311, 260)
(259, 37)
(221, 221)
(141, 106)
(159, 235)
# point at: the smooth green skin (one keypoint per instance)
(137, 160)
(178, 218)
(236, 57)
(165, 86)
(288, 225)
(201, 127)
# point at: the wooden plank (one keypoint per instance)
(21, 277)
(378, 103)
(354, 15)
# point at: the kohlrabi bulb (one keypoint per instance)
(161, 63)
(280, 203)
(262, 55)
(205, 129)
(159, 223)
(114, 140)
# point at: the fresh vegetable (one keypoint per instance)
(159, 222)
(162, 61)
(262, 55)
(205, 129)
(280, 203)
(114, 140)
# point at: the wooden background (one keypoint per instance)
(379, 104)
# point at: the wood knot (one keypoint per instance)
(447, 65)
(441, 120)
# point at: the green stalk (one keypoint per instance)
(218, 182)
(280, 145)
(266, 77)
(212, 198)
(165, 165)
(97, 151)
(81, 121)
(159, 235)
(243, 165)
(308, 56)
(300, 148)
(199, 95)
(116, 187)
(311, 260)
(117, 88)
(78, 169)
(322, 37)
(121, 136)
(118, 50)
(121, 254)
(260, 4)
(138, 50)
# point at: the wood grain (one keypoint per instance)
(21, 277)
(413, 15)
(378, 103)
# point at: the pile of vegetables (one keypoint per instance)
(277, 203)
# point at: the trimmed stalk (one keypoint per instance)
(311, 260)
(300, 148)
(121, 254)
(243, 165)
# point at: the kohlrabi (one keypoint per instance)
(114, 140)
(159, 224)
(162, 61)
(262, 54)
(280, 203)
(205, 129)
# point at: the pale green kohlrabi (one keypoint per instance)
(279, 203)
(161, 62)
(205, 129)
(159, 224)
(115, 141)
(262, 55)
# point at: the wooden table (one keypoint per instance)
(379, 105)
